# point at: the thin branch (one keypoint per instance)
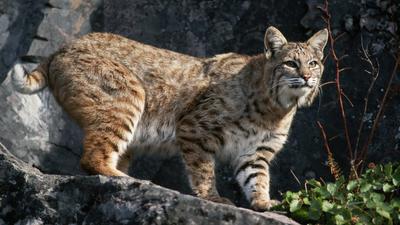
(343, 56)
(344, 69)
(375, 73)
(295, 177)
(326, 83)
(327, 17)
(380, 111)
(348, 99)
(340, 36)
(334, 137)
(333, 166)
(326, 144)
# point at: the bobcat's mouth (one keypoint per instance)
(295, 86)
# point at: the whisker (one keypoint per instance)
(319, 100)
(292, 79)
(279, 83)
(329, 82)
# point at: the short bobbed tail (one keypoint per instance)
(29, 83)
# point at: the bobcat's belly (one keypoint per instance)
(155, 136)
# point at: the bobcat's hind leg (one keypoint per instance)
(101, 155)
(107, 100)
(105, 144)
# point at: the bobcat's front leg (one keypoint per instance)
(252, 174)
(198, 150)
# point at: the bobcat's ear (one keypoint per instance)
(319, 40)
(273, 41)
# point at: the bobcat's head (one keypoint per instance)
(296, 67)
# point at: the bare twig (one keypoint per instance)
(380, 111)
(326, 18)
(333, 166)
(343, 56)
(348, 99)
(295, 177)
(339, 36)
(344, 69)
(334, 137)
(375, 73)
(326, 83)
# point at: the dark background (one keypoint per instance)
(36, 130)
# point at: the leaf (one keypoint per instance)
(295, 205)
(377, 185)
(351, 185)
(327, 206)
(363, 216)
(295, 196)
(332, 188)
(383, 213)
(370, 204)
(396, 177)
(301, 215)
(288, 196)
(395, 203)
(314, 183)
(339, 219)
(343, 216)
(377, 198)
(350, 196)
(377, 220)
(315, 209)
(365, 187)
(387, 187)
(388, 168)
(306, 201)
(322, 191)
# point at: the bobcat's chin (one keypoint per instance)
(295, 96)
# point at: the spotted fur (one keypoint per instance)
(128, 96)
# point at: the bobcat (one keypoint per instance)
(127, 95)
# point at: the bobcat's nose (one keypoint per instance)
(306, 76)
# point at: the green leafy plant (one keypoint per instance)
(373, 198)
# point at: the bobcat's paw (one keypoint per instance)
(219, 199)
(263, 204)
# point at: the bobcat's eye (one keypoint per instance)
(313, 63)
(291, 64)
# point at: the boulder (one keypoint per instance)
(28, 196)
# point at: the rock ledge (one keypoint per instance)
(28, 196)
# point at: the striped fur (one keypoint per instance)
(128, 96)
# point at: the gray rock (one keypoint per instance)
(29, 197)
(39, 131)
